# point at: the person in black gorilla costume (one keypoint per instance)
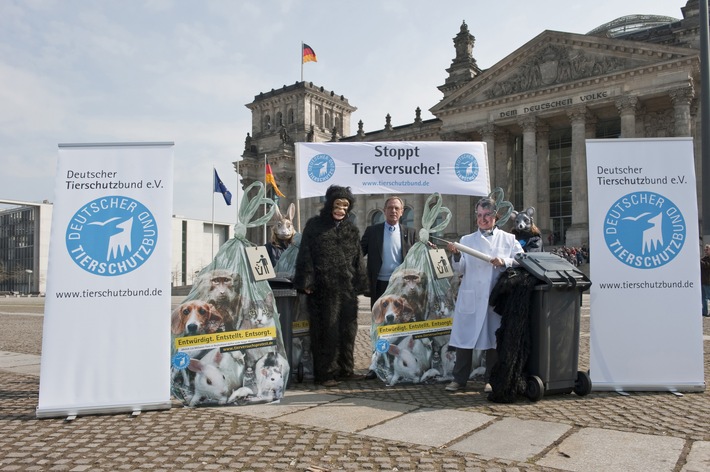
(330, 272)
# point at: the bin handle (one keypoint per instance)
(563, 274)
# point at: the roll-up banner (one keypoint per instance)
(106, 333)
(459, 168)
(646, 326)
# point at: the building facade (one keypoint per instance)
(635, 77)
(24, 246)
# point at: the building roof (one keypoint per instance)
(631, 24)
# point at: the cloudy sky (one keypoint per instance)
(89, 71)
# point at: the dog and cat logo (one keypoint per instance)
(466, 167)
(644, 230)
(111, 236)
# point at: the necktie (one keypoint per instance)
(391, 228)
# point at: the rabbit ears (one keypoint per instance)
(290, 213)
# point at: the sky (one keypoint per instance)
(182, 71)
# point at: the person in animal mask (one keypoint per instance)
(330, 272)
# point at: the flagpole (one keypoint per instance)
(266, 194)
(298, 193)
(301, 61)
(238, 187)
(214, 176)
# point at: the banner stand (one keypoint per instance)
(646, 331)
(106, 330)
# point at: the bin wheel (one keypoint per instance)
(583, 384)
(299, 372)
(535, 388)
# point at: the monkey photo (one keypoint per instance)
(223, 289)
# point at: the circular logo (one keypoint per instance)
(644, 230)
(321, 168)
(181, 360)
(111, 236)
(382, 345)
(466, 167)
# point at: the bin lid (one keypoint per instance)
(553, 270)
(281, 283)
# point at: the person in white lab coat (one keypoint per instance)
(475, 322)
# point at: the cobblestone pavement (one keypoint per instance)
(214, 438)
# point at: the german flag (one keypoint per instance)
(270, 180)
(309, 55)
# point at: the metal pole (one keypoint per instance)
(705, 119)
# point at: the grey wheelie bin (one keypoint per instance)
(554, 326)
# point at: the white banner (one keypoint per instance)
(646, 325)
(106, 334)
(459, 168)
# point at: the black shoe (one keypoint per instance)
(371, 375)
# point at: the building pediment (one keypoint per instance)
(553, 59)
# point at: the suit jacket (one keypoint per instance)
(371, 243)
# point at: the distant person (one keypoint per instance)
(705, 278)
(386, 245)
(330, 271)
(475, 322)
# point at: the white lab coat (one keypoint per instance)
(475, 322)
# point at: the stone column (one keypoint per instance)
(503, 161)
(578, 233)
(627, 110)
(681, 98)
(542, 206)
(488, 136)
(529, 125)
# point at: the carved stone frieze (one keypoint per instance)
(555, 65)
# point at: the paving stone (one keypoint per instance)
(593, 449)
(429, 426)
(512, 438)
(350, 415)
(699, 458)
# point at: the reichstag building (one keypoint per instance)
(634, 77)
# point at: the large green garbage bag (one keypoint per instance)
(227, 344)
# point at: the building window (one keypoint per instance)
(609, 129)
(291, 116)
(377, 217)
(560, 149)
(407, 218)
(279, 119)
(267, 123)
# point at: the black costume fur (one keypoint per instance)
(511, 298)
(330, 265)
(530, 240)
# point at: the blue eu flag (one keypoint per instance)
(220, 187)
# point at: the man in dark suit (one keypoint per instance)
(385, 245)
